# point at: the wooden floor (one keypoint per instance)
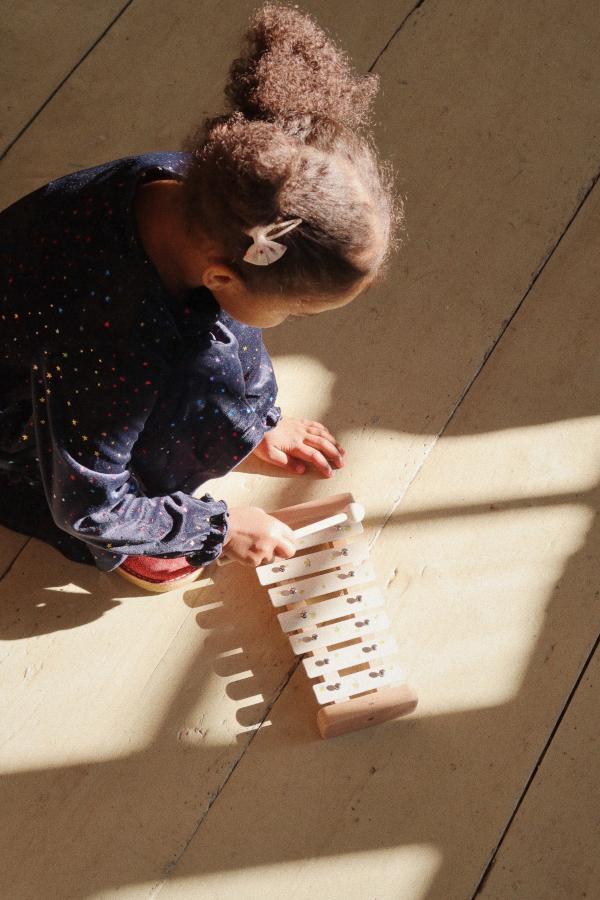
(167, 745)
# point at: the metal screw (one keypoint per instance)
(379, 674)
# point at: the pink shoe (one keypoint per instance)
(159, 573)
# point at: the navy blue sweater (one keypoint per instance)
(135, 398)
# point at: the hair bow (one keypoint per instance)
(264, 250)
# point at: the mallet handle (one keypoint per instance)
(353, 513)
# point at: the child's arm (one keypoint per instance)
(90, 406)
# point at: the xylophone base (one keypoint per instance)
(362, 712)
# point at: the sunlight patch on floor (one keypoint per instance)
(414, 866)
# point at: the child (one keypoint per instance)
(133, 297)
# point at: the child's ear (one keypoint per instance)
(217, 277)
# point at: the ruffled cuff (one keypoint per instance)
(217, 532)
(272, 417)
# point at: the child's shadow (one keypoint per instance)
(51, 593)
(46, 592)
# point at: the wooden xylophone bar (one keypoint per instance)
(333, 613)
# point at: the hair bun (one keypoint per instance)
(292, 147)
(291, 71)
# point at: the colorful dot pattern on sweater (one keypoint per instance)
(130, 398)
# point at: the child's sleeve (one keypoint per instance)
(90, 406)
(261, 385)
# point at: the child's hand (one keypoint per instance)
(300, 439)
(254, 537)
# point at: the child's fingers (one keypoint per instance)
(317, 428)
(285, 548)
(285, 541)
(327, 448)
(321, 431)
(314, 456)
(279, 458)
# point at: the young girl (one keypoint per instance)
(133, 368)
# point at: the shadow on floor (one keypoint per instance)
(152, 798)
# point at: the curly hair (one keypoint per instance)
(296, 143)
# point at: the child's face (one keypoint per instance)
(266, 312)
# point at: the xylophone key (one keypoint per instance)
(318, 585)
(338, 632)
(298, 566)
(327, 661)
(303, 616)
(341, 687)
(336, 533)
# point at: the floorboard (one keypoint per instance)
(41, 45)
(493, 585)
(551, 849)
(166, 745)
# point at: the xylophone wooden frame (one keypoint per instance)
(367, 709)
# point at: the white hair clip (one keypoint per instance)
(265, 250)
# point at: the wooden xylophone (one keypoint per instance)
(333, 613)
